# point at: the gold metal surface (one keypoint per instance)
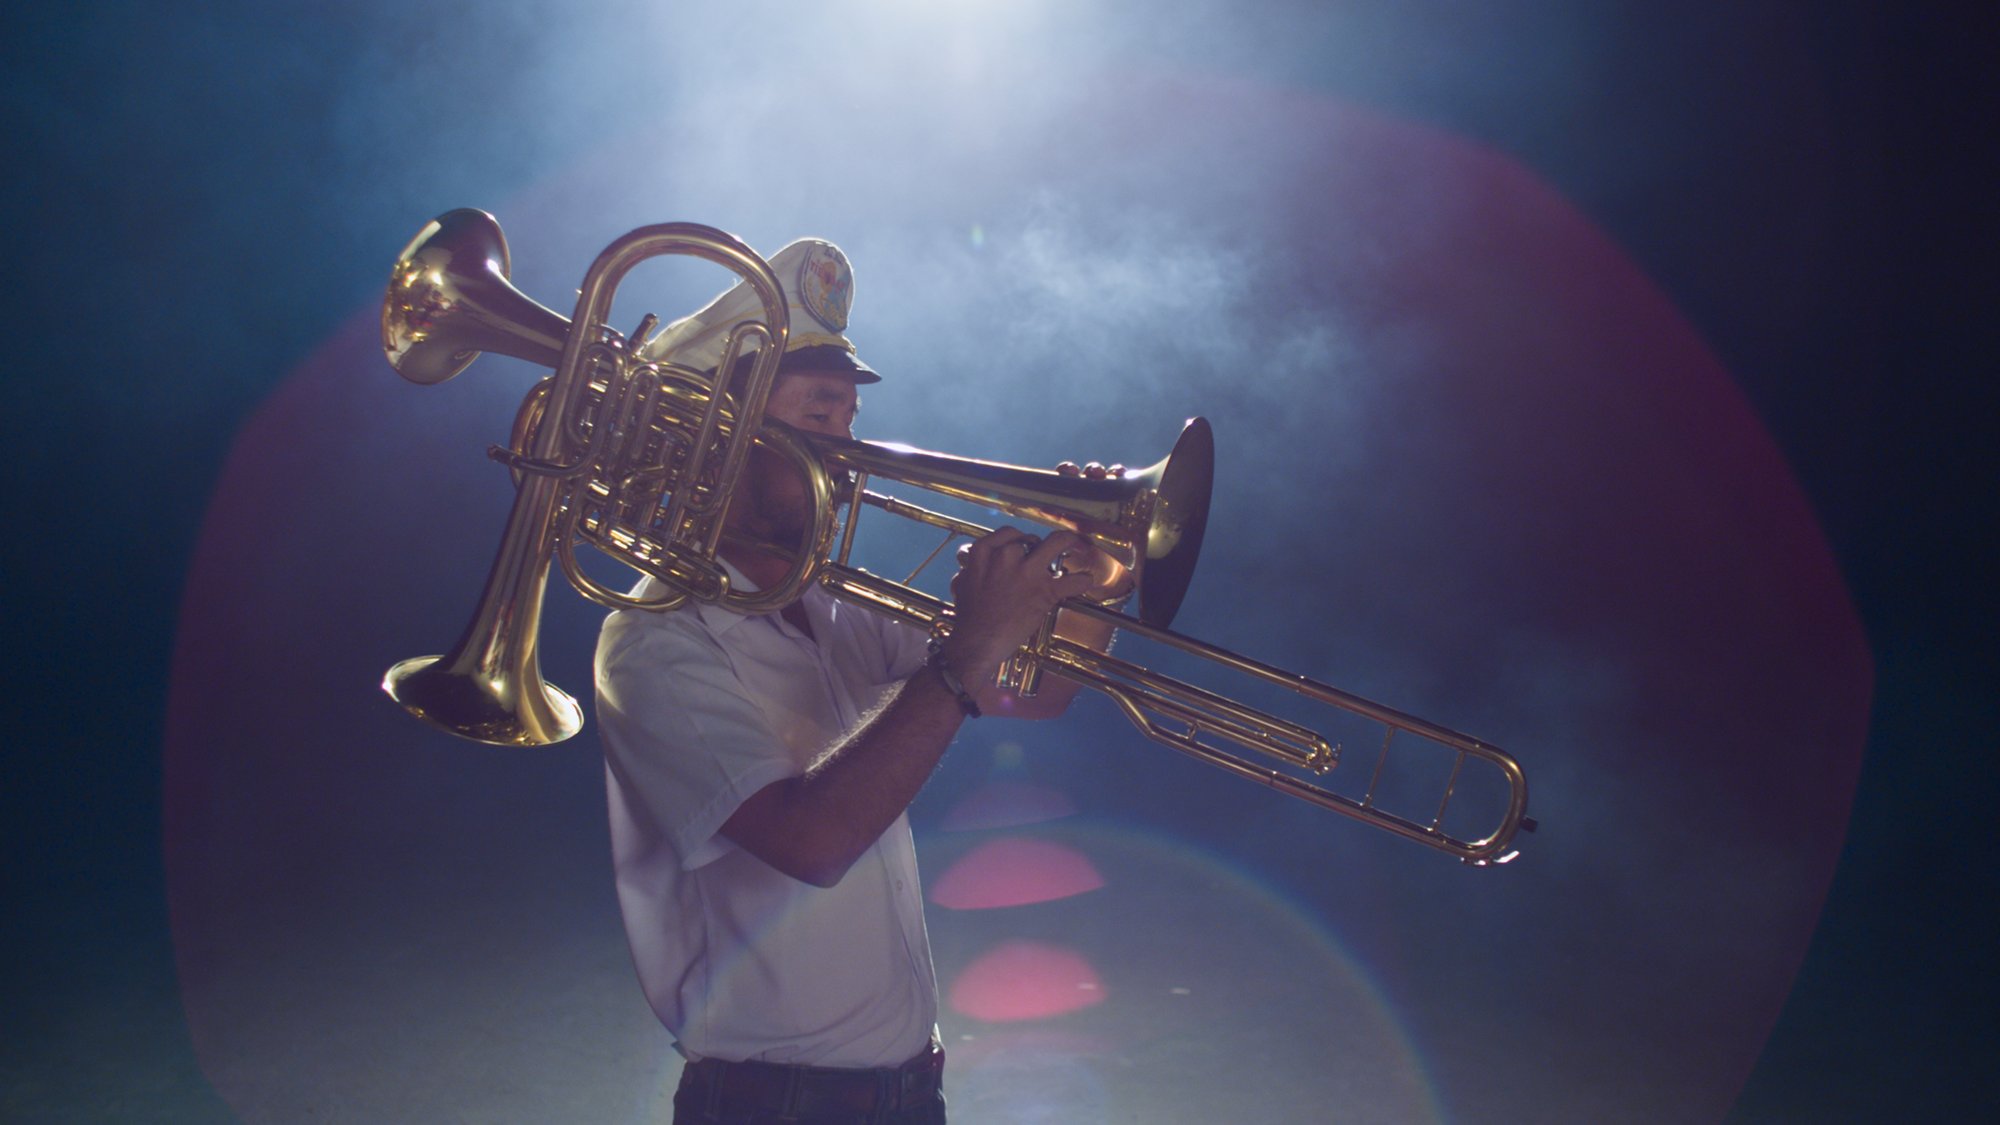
(1202, 723)
(1151, 520)
(593, 429)
(639, 459)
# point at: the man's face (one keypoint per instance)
(774, 504)
(815, 401)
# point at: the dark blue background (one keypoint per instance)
(197, 195)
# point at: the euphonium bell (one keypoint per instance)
(449, 299)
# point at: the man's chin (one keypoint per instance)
(784, 535)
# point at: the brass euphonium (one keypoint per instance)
(449, 299)
(639, 458)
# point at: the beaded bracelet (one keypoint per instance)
(937, 663)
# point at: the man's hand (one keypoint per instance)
(1007, 585)
(1114, 579)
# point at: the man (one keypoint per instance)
(759, 769)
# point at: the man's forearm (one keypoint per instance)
(814, 826)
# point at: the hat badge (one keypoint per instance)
(826, 285)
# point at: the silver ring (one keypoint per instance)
(1056, 567)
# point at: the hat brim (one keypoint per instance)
(829, 358)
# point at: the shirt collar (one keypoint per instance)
(719, 620)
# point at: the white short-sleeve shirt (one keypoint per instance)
(698, 709)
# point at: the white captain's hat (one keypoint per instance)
(819, 289)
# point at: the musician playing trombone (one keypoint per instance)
(759, 769)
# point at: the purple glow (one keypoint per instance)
(1015, 872)
(1026, 980)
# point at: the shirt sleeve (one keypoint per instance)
(905, 647)
(684, 745)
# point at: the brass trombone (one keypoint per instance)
(639, 457)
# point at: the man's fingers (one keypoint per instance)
(995, 540)
(1074, 583)
(1057, 543)
(1065, 555)
(992, 546)
(1063, 558)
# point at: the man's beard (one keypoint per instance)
(780, 512)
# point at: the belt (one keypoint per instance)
(729, 1090)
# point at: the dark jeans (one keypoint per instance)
(715, 1092)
